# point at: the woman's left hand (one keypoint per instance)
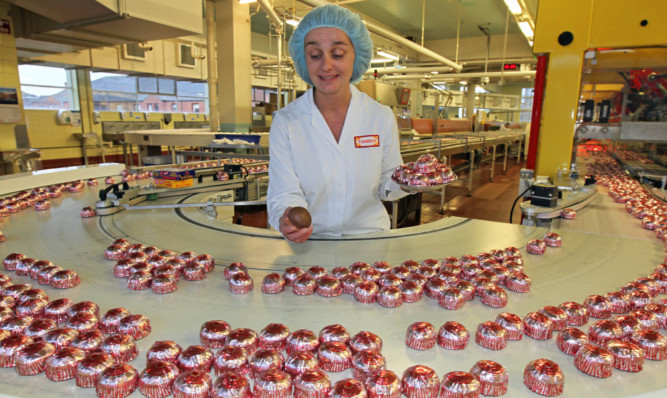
(291, 232)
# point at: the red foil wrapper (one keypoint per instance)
(570, 340)
(421, 336)
(491, 335)
(123, 268)
(273, 283)
(88, 341)
(302, 340)
(32, 307)
(197, 272)
(426, 271)
(16, 324)
(121, 347)
(291, 273)
(162, 284)
(334, 356)
(274, 335)
(312, 384)
(639, 299)
(366, 292)
(87, 212)
(157, 379)
(350, 282)
(653, 344)
(11, 261)
(557, 315)
(206, 261)
(552, 239)
(453, 336)
(400, 271)
(39, 327)
(390, 297)
(317, 272)
(435, 287)
(518, 282)
(5, 313)
(140, 280)
(167, 270)
(359, 268)
(31, 358)
(629, 324)
(598, 306)
(84, 307)
(273, 384)
(371, 275)
(9, 346)
(383, 384)
(568, 214)
(213, 334)
(538, 326)
(536, 246)
(16, 290)
(595, 361)
(628, 357)
(231, 385)
(492, 376)
(240, 284)
(164, 350)
(62, 364)
(244, 338)
(467, 289)
(334, 333)
(512, 323)
(412, 291)
(660, 311)
(304, 285)
(494, 296)
(115, 252)
(45, 274)
(301, 361)
(340, 272)
(329, 286)
(544, 377)
(60, 337)
(231, 359)
(23, 266)
(420, 382)
(111, 320)
(195, 357)
(32, 294)
(603, 331)
(348, 388)
(366, 362)
(417, 278)
(233, 269)
(192, 384)
(459, 385)
(137, 326)
(83, 322)
(117, 381)
(619, 302)
(365, 341)
(577, 314)
(265, 359)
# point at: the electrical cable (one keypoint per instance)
(516, 200)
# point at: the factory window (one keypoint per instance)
(45, 87)
(526, 104)
(147, 94)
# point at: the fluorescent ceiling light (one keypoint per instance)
(247, 1)
(514, 6)
(526, 29)
(435, 72)
(463, 82)
(293, 22)
(387, 55)
(381, 60)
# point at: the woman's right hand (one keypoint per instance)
(291, 232)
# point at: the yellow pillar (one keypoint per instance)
(9, 79)
(565, 29)
(233, 53)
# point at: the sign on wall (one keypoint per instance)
(5, 27)
(9, 105)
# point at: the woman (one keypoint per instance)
(333, 150)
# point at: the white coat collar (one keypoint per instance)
(308, 103)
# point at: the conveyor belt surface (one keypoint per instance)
(590, 262)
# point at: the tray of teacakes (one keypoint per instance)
(424, 174)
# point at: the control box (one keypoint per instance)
(544, 195)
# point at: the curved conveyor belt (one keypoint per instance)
(590, 262)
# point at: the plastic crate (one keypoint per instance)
(251, 138)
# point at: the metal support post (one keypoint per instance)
(472, 169)
(505, 158)
(493, 162)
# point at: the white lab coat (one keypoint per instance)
(340, 183)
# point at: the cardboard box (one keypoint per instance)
(164, 183)
(174, 174)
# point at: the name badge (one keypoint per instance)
(367, 141)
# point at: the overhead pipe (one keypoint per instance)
(387, 71)
(278, 24)
(387, 34)
(471, 75)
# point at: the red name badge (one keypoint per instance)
(366, 141)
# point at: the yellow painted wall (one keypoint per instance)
(9, 77)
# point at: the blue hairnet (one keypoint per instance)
(332, 16)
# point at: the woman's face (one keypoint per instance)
(330, 59)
